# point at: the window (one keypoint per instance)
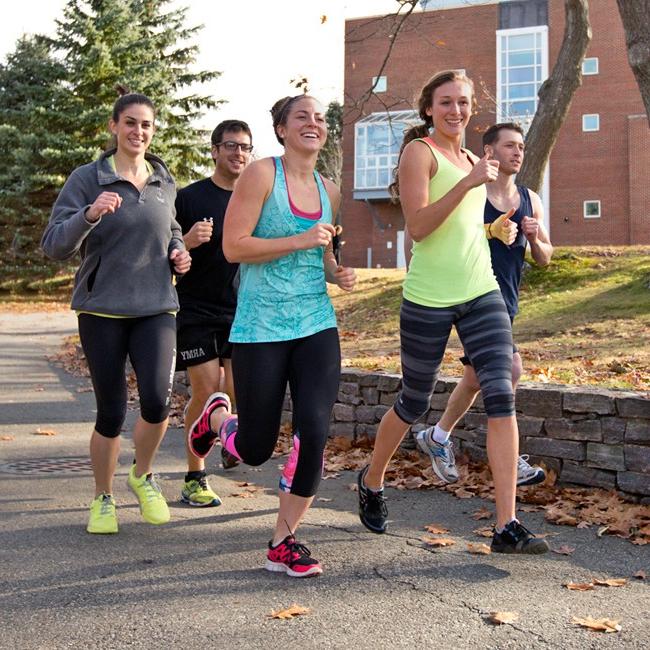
(591, 122)
(379, 84)
(590, 65)
(522, 67)
(591, 209)
(377, 140)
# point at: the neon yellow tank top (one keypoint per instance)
(451, 265)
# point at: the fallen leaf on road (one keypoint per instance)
(499, 618)
(640, 575)
(85, 389)
(323, 499)
(38, 389)
(486, 531)
(243, 495)
(462, 493)
(478, 548)
(602, 530)
(565, 549)
(583, 524)
(436, 530)
(246, 484)
(579, 586)
(353, 487)
(438, 541)
(610, 582)
(483, 513)
(289, 612)
(599, 624)
(327, 477)
(44, 432)
(7, 438)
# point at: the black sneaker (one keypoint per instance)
(515, 538)
(228, 460)
(372, 506)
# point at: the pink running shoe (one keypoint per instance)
(201, 437)
(292, 558)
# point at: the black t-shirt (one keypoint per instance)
(207, 293)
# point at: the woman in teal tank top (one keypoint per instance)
(279, 227)
(450, 283)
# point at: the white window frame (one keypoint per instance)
(591, 216)
(590, 59)
(501, 35)
(380, 84)
(586, 116)
(407, 117)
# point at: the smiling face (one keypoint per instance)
(230, 159)
(451, 108)
(134, 129)
(508, 149)
(305, 126)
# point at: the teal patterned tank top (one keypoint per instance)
(286, 298)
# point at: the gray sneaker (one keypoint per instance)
(528, 474)
(441, 455)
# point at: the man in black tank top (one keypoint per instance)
(208, 294)
(505, 143)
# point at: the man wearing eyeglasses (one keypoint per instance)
(207, 294)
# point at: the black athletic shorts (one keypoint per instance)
(196, 344)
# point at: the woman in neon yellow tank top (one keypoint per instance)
(450, 283)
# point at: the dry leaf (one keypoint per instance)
(483, 513)
(323, 499)
(478, 548)
(38, 389)
(85, 389)
(437, 542)
(583, 524)
(602, 530)
(640, 575)
(353, 487)
(243, 495)
(462, 493)
(610, 582)
(579, 586)
(486, 531)
(499, 618)
(7, 438)
(599, 624)
(289, 612)
(565, 549)
(44, 432)
(436, 530)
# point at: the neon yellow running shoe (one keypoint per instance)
(152, 502)
(198, 493)
(103, 518)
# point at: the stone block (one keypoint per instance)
(286, 418)
(530, 426)
(380, 411)
(549, 463)
(445, 385)
(389, 383)
(439, 401)
(466, 435)
(583, 401)
(342, 429)
(637, 459)
(433, 417)
(370, 395)
(475, 452)
(348, 388)
(634, 482)
(613, 430)
(344, 398)
(369, 430)
(605, 456)
(577, 473)
(353, 376)
(573, 429)
(565, 449)
(344, 413)
(286, 404)
(633, 406)
(638, 432)
(545, 402)
(366, 414)
(388, 399)
(475, 420)
(368, 379)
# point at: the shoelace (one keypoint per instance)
(300, 549)
(522, 462)
(203, 482)
(106, 508)
(377, 500)
(152, 489)
(519, 531)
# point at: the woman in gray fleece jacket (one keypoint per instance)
(118, 213)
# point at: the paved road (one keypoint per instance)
(197, 581)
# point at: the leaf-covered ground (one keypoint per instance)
(583, 320)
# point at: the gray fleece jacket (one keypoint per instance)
(125, 268)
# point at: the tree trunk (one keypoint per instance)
(635, 15)
(556, 93)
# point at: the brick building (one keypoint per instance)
(596, 189)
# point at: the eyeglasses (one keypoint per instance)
(229, 145)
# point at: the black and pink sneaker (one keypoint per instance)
(292, 558)
(201, 437)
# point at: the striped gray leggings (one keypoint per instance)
(484, 328)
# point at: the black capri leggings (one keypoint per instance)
(484, 328)
(150, 343)
(312, 366)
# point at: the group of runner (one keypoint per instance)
(250, 311)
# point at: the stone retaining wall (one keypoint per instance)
(589, 437)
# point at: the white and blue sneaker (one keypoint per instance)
(529, 474)
(442, 457)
